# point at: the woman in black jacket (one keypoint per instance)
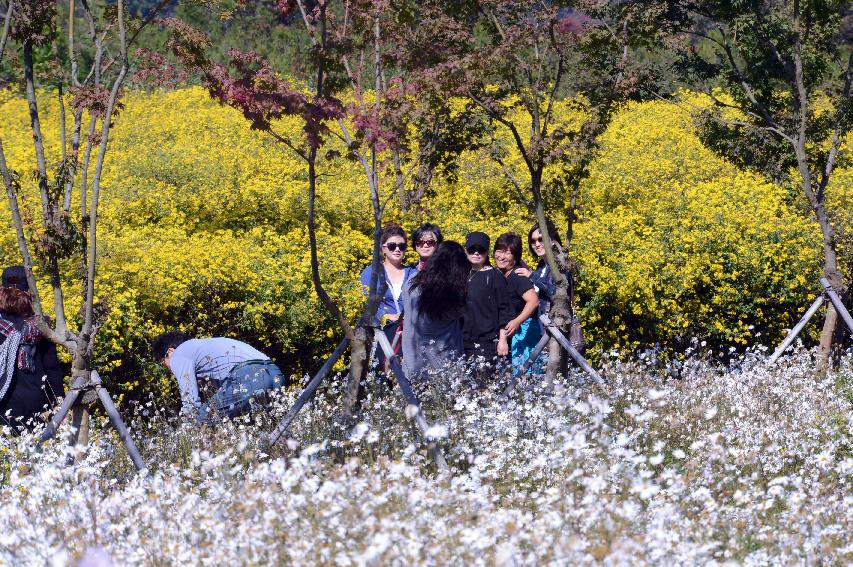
(487, 310)
(31, 379)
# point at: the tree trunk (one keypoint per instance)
(831, 272)
(360, 356)
(825, 348)
(560, 314)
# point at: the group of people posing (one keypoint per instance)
(452, 302)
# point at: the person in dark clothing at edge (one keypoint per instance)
(31, 379)
(435, 301)
(240, 372)
(425, 239)
(487, 310)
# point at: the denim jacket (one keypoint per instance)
(545, 285)
(387, 305)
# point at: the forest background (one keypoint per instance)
(203, 224)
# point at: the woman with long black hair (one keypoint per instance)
(434, 303)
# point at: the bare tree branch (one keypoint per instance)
(842, 126)
(7, 23)
(511, 178)
(35, 123)
(86, 332)
(512, 128)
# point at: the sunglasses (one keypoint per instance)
(476, 250)
(392, 246)
(426, 243)
(536, 240)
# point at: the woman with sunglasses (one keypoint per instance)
(541, 277)
(425, 238)
(434, 302)
(487, 309)
(524, 328)
(391, 280)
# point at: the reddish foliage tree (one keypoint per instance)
(30, 25)
(514, 60)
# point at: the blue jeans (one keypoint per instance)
(246, 380)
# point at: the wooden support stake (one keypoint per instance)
(792, 334)
(78, 412)
(412, 400)
(82, 386)
(69, 400)
(306, 394)
(573, 352)
(531, 360)
(836, 301)
(117, 422)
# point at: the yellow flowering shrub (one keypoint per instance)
(675, 243)
(203, 229)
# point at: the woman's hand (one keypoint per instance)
(524, 272)
(512, 327)
(503, 347)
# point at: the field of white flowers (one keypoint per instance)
(744, 464)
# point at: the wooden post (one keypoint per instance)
(836, 301)
(573, 352)
(792, 334)
(70, 399)
(78, 413)
(117, 422)
(412, 400)
(306, 394)
(537, 350)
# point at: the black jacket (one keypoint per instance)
(488, 308)
(31, 393)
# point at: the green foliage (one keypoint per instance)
(677, 243)
(203, 229)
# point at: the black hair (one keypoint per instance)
(444, 282)
(509, 241)
(423, 229)
(389, 230)
(164, 342)
(552, 232)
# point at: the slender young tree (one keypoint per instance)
(354, 55)
(58, 236)
(786, 67)
(516, 61)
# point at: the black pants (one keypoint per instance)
(486, 349)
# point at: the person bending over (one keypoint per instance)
(237, 370)
(434, 304)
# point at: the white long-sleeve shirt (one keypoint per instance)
(207, 359)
